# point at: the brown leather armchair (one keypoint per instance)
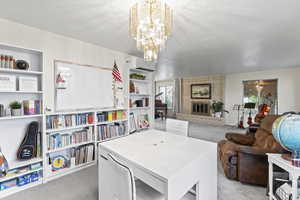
(244, 158)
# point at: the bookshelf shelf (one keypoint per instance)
(20, 117)
(85, 111)
(15, 71)
(6, 178)
(14, 128)
(69, 128)
(19, 164)
(113, 138)
(110, 122)
(66, 171)
(16, 189)
(110, 109)
(140, 108)
(22, 92)
(140, 81)
(139, 95)
(70, 146)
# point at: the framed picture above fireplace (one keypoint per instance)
(201, 91)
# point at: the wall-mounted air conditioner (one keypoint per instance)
(139, 63)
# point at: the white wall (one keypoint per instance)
(288, 89)
(57, 47)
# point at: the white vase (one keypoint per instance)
(16, 112)
(218, 115)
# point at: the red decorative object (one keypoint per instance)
(116, 73)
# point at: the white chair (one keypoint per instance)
(178, 127)
(117, 183)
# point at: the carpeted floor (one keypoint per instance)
(83, 185)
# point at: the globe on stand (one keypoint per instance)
(286, 130)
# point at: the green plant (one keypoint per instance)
(137, 76)
(15, 105)
(217, 106)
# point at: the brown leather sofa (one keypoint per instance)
(244, 158)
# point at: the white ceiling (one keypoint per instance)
(210, 36)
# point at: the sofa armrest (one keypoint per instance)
(253, 166)
(240, 139)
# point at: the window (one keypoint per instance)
(167, 95)
(261, 92)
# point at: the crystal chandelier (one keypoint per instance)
(150, 25)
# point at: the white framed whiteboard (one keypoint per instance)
(86, 87)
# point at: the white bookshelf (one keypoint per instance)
(143, 89)
(49, 175)
(18, 124)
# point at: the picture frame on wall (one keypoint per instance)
(201, 91)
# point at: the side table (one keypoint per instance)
(294, 174)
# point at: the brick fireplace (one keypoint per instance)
(199, 110)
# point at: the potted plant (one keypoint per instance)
(15, 108)
(218, 109)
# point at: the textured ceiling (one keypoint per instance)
(210, 36)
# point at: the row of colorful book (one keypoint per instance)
(21, 181)
(59, 140)
(83, 154)
(63, 121)
(72, 157)
(32, 107)
(111, 116)
(111, 130)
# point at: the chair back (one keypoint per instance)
(177, 127)
(116, 180)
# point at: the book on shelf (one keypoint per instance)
(39, 145)
(83, 154)
(32, 107)
(21, 181)
(71, 157)
(111, 116)
(21, 176)
(64, 121)
(108, 131)
(59, 140)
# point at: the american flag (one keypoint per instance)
(116, 73)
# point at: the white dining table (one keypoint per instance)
(169, 163)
